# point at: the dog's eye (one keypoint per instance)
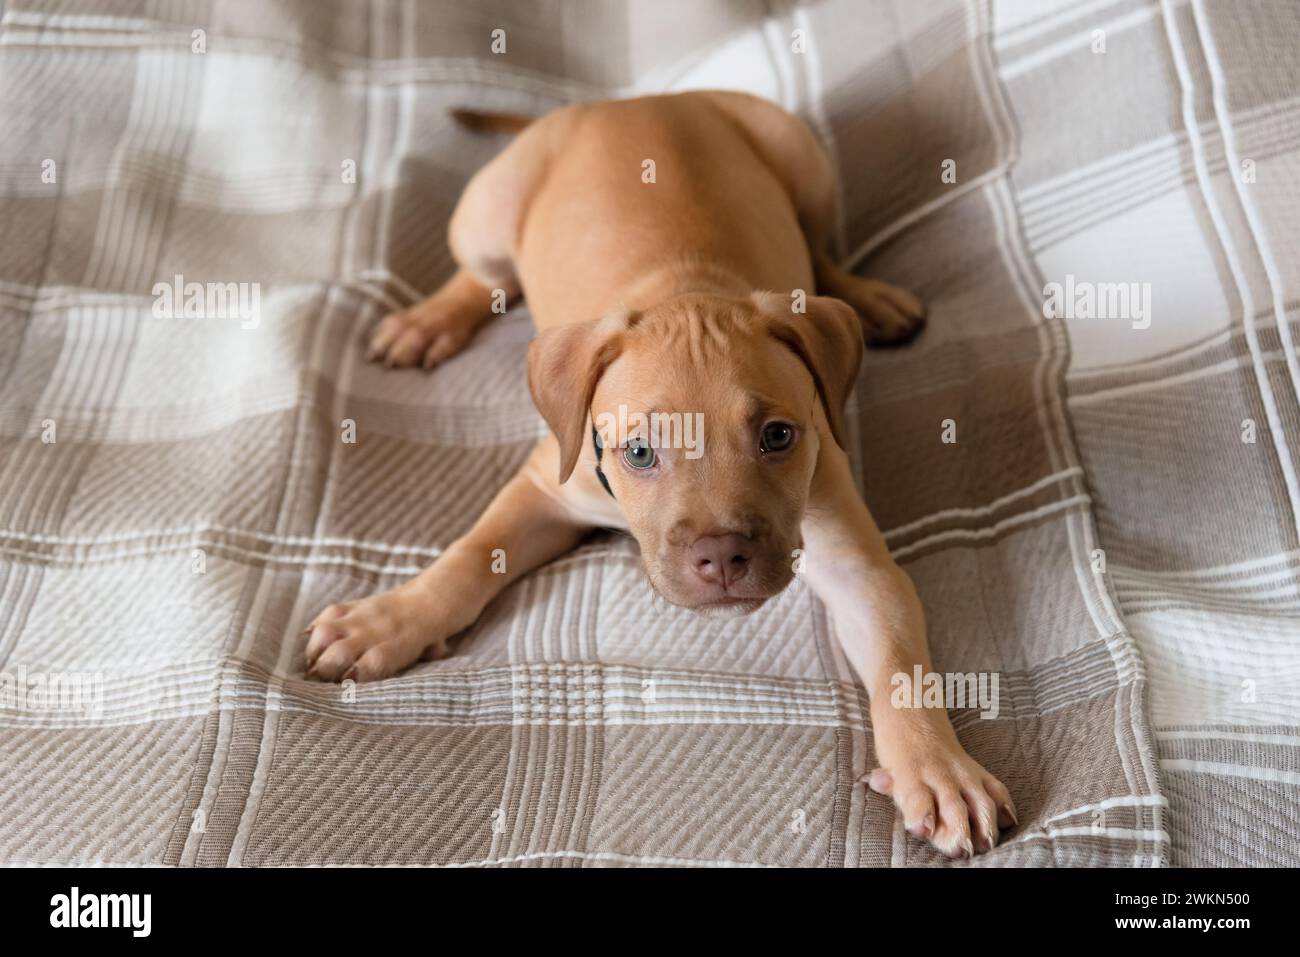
(639, 455)
(777, 437)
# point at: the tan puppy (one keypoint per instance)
(666, 246)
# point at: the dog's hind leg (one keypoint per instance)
(435, 329)
(890, 315)
(789, 148)
(481, 236)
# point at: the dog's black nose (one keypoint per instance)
(721, 559)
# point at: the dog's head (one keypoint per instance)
(706, 408)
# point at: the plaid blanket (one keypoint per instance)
(1088, 463)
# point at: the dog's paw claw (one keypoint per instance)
(370, 639)
(946, 798)
(890, 316)
(417, 336)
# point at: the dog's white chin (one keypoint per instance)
(731, 609)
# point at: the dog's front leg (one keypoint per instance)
(944, 795)
(528, 524)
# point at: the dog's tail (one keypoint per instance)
(491, 122)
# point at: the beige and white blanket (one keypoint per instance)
(1100, 202)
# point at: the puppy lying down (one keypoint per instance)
(681, 286)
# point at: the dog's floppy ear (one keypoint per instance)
(564, 366)
(827, 338)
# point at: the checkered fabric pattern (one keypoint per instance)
(1115, 532)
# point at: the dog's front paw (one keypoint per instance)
(945, 796)
(373, 638)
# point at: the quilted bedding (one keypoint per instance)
(1088, 463)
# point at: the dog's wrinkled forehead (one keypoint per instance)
(694, 327)
(697, 351)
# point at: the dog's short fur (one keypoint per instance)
(669, 248)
